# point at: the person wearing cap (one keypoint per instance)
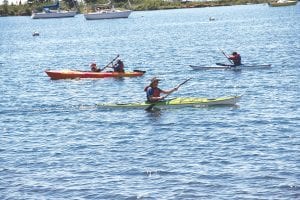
(119, 66)
(153, 91)
(94, 68)
(236, 59)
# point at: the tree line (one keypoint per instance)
(27, 8)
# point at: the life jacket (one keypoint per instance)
(119, 67)
(155, 92)
(236, 59)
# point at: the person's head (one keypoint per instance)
(93, 65)
(234, 53)
(154, 82)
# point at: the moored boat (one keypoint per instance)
(107, 14)
(53, 11)
(53, 14)
(178, 102)
(73, 74)
(282, 3)
(106, 11)
(229, 67)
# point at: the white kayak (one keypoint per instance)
(229, 67)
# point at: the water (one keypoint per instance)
(56, 144)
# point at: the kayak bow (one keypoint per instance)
(178, 102)
(72, 74)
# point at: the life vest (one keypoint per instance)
(154, 92)
(236, 59)
(119, 67)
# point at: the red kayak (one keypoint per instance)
(73, 74)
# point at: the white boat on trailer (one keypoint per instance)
(230, 67)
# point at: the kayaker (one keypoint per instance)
(119, 66)
(236, 59)
(153, 91)
(94, 67)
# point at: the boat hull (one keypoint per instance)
(284, 3)
(179, 102)
(107, 15)
(73, 74)
(245, 66)
(58, 14)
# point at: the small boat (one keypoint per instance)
(53, 11)
(178, 102)
(282, 3)
(230, 67)
(35, 33)
(111, 13)
(74, 74)
(212, 19)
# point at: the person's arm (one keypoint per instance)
(168, 92)
(152, 98)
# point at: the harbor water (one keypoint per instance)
(57, 144)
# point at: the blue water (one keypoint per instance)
(56, 144)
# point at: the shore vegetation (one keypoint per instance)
(27, 8)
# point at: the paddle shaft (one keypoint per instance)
(110, 62)
(226, 56)
(179, 85)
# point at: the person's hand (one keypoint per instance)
(161, 98)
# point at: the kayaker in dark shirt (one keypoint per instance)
(153, 91)
(119, 66)
(236, 59)
(94, 68)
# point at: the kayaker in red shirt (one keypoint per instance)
(153, 91)
(94, 68)
(236, 58)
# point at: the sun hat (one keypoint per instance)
(154, 79)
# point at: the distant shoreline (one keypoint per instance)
(26, 9)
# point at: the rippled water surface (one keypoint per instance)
(56, 144)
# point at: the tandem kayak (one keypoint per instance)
(73, 74)
(229, 67)
(178, 102)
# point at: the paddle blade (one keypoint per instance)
(149, 108)
(136, 70)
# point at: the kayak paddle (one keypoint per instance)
(110, 62)
(176, 88)
(226, 55)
